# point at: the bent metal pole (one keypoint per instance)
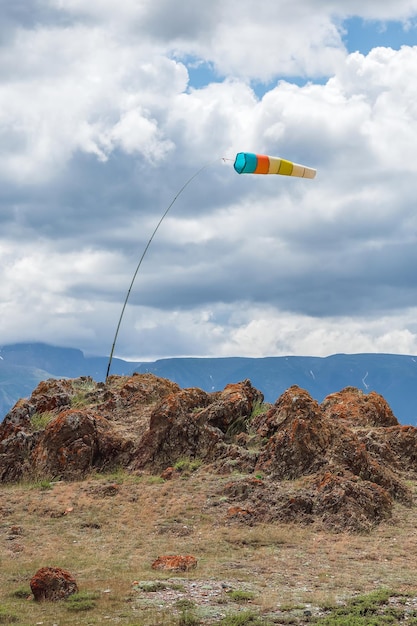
(144, 253)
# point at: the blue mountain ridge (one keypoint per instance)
(24, 365)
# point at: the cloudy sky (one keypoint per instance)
(108, 107)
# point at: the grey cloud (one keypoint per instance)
(185, 20)
(28, 15)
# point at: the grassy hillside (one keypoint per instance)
(107, 531)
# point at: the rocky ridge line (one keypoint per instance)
(342, 464)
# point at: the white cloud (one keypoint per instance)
(99, 130)
(241, 37)
(78, 89)
(277, 334)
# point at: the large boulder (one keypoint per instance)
(69, 427)
(357, 408)
(195, 424)
(15, 454)
(127, 398)
(231, 408)
(76, 442)
(175, 431)
(298, 437)
(52, 583)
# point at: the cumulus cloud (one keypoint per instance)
(101, 126)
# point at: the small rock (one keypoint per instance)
(176, 563)
(169, 473)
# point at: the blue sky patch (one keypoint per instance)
(201, 73)
(363, 35)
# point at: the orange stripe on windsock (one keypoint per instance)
(263, 164)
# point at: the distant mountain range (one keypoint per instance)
(23, 366)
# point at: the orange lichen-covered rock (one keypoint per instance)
(298, 436)
(238, 511)
(52, 583)
(347, 503)
(51, 394)
(358, 408)
(169, 473)
(175, 563)
(294, 403)
(194, 424)
(232, 407)
(75, 442)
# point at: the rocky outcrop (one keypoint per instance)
(193, 423)
(344, 462)
(339, 502)
(306, 439)
(347, 482)
(69, 427)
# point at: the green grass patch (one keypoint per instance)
(154, 480)
(259, 408)
(39, 421)
(6, 617)
(240, 595)
(82, 387)
(244, 618)
(187, 466)
(183, 604)
(43, 484)
(370, 609)
(82, 601)
(188, 618)
(153, 586)
(22, 593)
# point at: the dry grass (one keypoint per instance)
(108, 530)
